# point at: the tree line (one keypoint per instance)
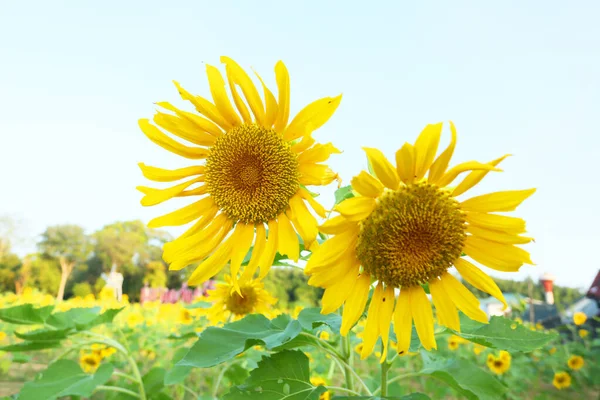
(69, 262)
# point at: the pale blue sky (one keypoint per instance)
(516, 77)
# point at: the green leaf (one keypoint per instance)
(284, 375)
(44, 335)
(198, 304)
(31, 346)
(106, 317)
(177, 374)
(25, 314)
(311, 318)
(21, 358)
(343, 193)
(154, 380)
(502, 333)
(217, 345)
(64, 378)
(465, 377)
(73, 317)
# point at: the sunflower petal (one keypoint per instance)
(266, 260)
(336, 225)
(502, 223)
(287, 238)
(184, 129)
(184, 244)
(283, 87)
(367, 185)
(312, 117)
(155, 135)
(497, 201)
(440, 165)
(383, 169)
(356, 208)
(423, 316)
(326, 277)
(479, 279)
(204, 107)
(499, 251)
(169, 175)
(475, 177)
(213, 264)
(318, 208)
(371, 332)
(445, 308)
(271, 104)
(318, 153)
(336, 294)
(403, 321)
(355, 304)
(244, 235)
(304, 221)
(240, 77)
(157, 196)
(315, 174)
(464, 300)
(426, 147)
(183, 215)
(385, 319)
(497, 236)
(219, 94)
(405, 163)
(203, 124)
(303, 144)
(453, 172)
(332, 251)
(257, 252)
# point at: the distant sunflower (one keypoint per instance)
(254, 175)
(575, 362)
(89, 362)
(228, 303)
(404, 230)
(562, 380)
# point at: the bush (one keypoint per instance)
(82, 289)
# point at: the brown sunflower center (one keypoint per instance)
(413, 235)
(244, 304)
(91, 361)
(498, 363)
(560, 379)
(251, 173)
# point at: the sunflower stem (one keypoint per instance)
(385, 366)
(346, 352)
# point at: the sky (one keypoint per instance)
(515, 77)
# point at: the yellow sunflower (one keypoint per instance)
(254, 175)
(404, 230)
(575, 362)
(579, 318)
(562, 380)
(253, 298)
(89, 362)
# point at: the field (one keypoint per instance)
(100, 349)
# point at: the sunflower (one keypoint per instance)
(253, 177)
(404, 230)
(89, 362)
(562, 380)
(575, 362)
(583, 333)
(252, 298)
(499, 365)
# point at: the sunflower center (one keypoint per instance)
(498, 363)
(413, 235)
(244, 304)
(251, 173)
(90, 361)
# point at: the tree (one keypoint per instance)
(69, 245)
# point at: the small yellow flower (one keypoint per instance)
(358, 348)
(519, 320)
(562, 380)
(454, 342)
(134, 319)
(539, 327)
(2, 336)
(89, 362)
(296, 311)
(324, 335)
(552, 351)
(576, 362)
(583, 333)
(579, 318)
(499, 365)
(185, 317)
(318, 381)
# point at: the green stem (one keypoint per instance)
(385, 366)
(117, 389)
(343, 390)
(113, 343)
(347, 373)
(126, 376)
(220, 378)
(71, 349)
(190, 391)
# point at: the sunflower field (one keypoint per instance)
(394, 258)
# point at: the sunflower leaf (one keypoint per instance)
(283, 375)
(502, 333)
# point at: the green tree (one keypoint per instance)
(156, 274)
(69, 245)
